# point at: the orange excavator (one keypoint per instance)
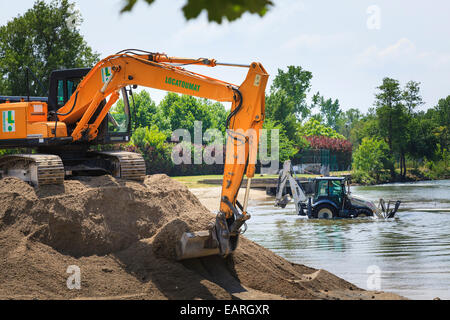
(76, 116)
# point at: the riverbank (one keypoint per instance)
(412, 175)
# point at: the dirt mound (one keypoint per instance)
(122, 236)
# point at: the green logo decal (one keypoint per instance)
(183, 84)
(106, 74)
(9, 123)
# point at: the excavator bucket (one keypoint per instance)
(221, 239)
(197, 245)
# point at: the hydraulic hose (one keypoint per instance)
(65, 114)
(71, 110)
(237, 109)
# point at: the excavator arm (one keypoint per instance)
(159, 71)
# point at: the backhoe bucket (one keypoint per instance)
(388, 212)
(197, 245)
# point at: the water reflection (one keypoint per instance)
(412, 251)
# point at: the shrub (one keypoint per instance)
(151, 143)
(334, 144)
(372, 157)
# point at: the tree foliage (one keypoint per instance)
(410, 134)
(371, 157)
(287, 148)
(217, 10)
(314, 128)
(330, 110)
(151, 143)
(143, 110)
(412, 97)
(45, 38)
(280, 109)
(296, 82)
(181, 112)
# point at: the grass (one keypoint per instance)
(194, 181)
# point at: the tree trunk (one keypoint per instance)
(404, 166)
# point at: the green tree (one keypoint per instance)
(412, 97)
(217, 10)
(143, 110)
(44, 38)
(181, 112)
(371, 158)
(440, 117)
(393, 120)
(315, 128)
(296, 82)
(368, 126)
(280, 109)
(287, 147)
(421, 140)
(443, 112)
(330, 110)
(218, 115)
(347, 121)
(151, 143)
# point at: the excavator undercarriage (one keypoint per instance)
(49, 169)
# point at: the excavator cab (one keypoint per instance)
(63, 84)
(115, 129)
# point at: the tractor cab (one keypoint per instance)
(332, 199)
(332, 189)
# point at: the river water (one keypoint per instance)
(409, 256)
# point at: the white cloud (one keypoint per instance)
(404, 51)
(403, 47)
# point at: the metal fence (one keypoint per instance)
(337, 161)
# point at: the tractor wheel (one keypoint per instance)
(363, 213)
(324, 211)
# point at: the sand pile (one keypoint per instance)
(122, 236)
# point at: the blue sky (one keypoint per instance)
(349, 46)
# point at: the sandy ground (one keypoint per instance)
(210, 196)
(122, 237)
